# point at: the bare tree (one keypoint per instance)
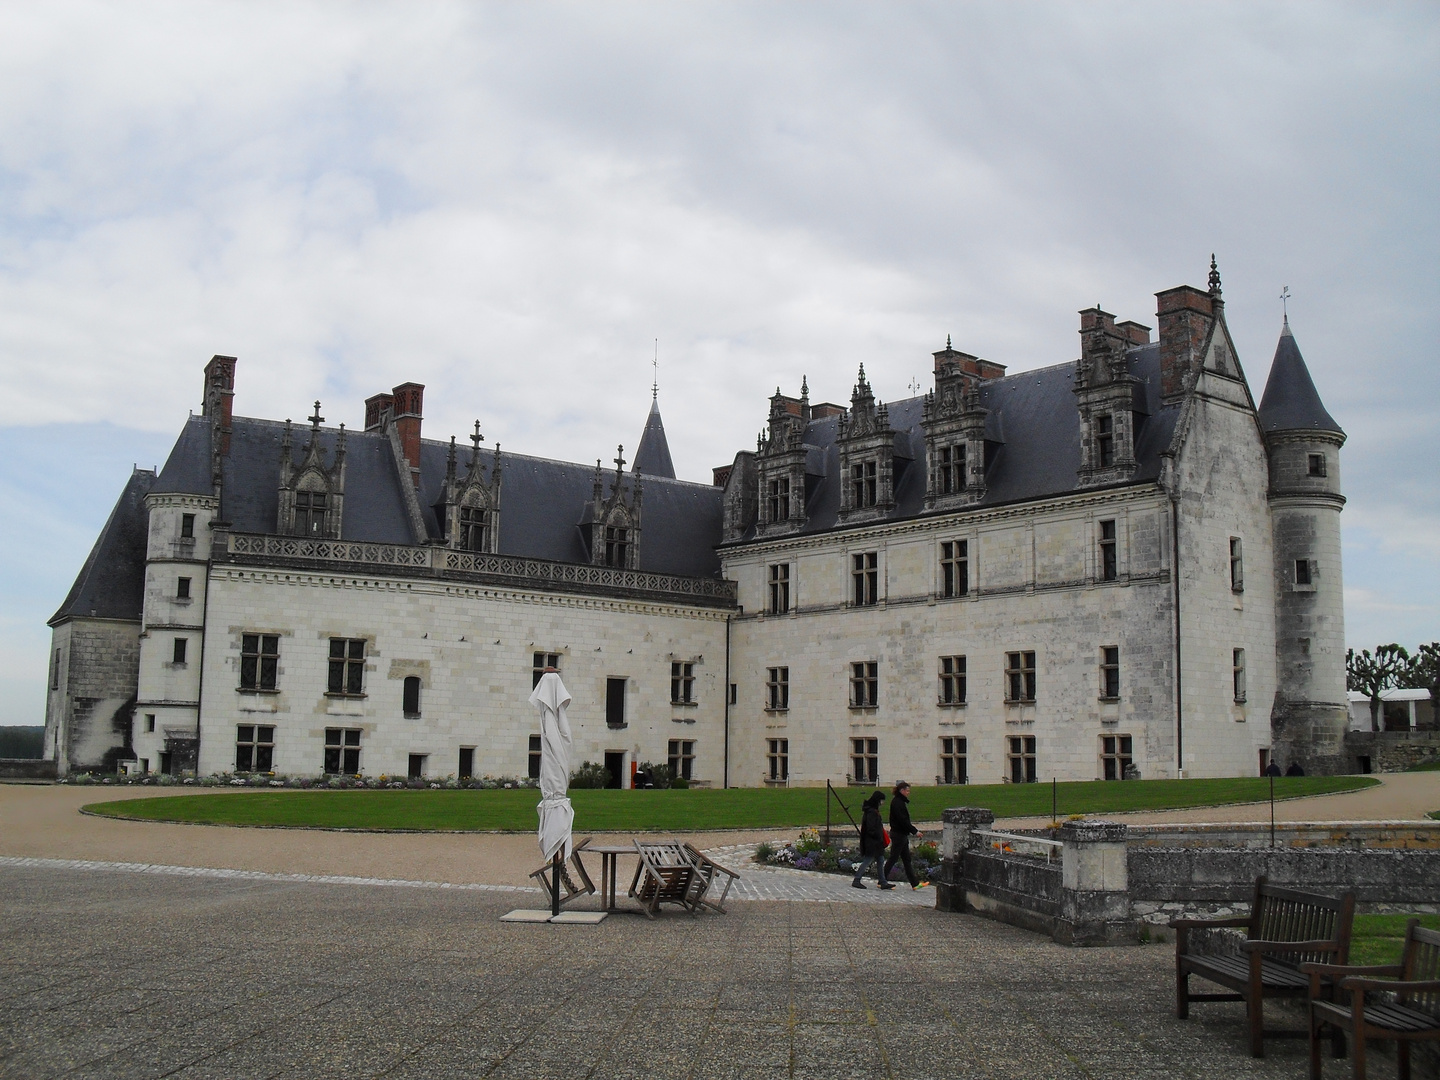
(1374, 674)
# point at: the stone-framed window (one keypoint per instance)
(954, 568)
(259, 661)
(952, 680)
(1020, 678)
(410, 697)
(150, 723)
(617, 546)
(1109, 556)
(1237, 674)
(536, 751)
(950, 469)
(682, 682)
(55, 671)
(953, 764)
(1237, 564)
(777, 689)
(1020, 759)
(474, 528)
(311, 511)
(777, 760)
(254, 748)
(681, 757)
(1109, 673)
(864, 760)
(864, 489)
(347, 667)
(1105, 440)
(342, 751)
(187, 526)
(539, 662)
(1316, 464)
(865, 578)
(778, 499)
(179, 651)
(615, 702)
(1304, 574)
(182, 588)
(864, 684)
(1115, 756)
(779, 589)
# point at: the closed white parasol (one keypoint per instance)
(557, 818)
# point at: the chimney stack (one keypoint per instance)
(219, 400)
(408, 400)
(1185, 315)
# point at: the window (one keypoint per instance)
(864, 684)
(955, 568)
(862, 484)
(682, 758)
(467, 763)
(682, 683)
(1022, 759)
(410, 697)
(865, 760)
(1115, 756)
(952, 680)
(180, 646)
(615, 702)
(952, 761)
(780, 589)
(1105, 441)
(1020, 676)
(950, 472)
(254, 748)
(1237, 673)
(474, 529)
(1109, 566)
(1237, 565)
(778, 758)
(1302, 571)
(55, 672)
(541, 661)
(182, 588)
(342, 750)
(777, 689)
(347, 666)
(259, 661)
(779, 499)
(617, 546)
(534, 759)
(865, 574)
(734, 693)
(416, 771)
(187, 526)
(310, 508)
(150, 723)
(1317, 465)
(1110, 673)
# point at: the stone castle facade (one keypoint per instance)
(1117, 566)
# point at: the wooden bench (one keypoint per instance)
(1284, 929)
(1403, 1002)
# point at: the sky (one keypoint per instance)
(522, 206)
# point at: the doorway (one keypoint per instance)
(615, 766)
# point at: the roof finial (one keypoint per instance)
(948, 346)
(1214, 276)
(655, 383)
(619, 459)
(316, 420)
(804, 386)
(1284, 304)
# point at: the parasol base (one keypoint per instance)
(536, 915)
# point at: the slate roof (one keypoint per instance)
(111, 584)
(1033, 429)
(652, 456)
(1290, 401)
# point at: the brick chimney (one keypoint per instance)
(1185, 314)
(409, 398)
(376, 409)
(219, 400)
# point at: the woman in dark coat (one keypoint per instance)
(900, 832)
(872, 842)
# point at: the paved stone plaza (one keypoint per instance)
(120, 974)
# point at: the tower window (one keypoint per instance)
(1237, 674)
(187, 526)
(1317, 464)
(1237, 565)
(410, 697)
(1302, 572)
(182, 588)
(955, 568)
(1109, 563)
(178, 656)
(1105, 441)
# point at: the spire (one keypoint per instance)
(1214, 278)
(1290, 401)
(653, 454)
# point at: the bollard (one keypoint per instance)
(959, 823)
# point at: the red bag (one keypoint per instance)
(886, 834)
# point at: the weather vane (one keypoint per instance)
(655, 383)
(914, 385)
(1284, 301)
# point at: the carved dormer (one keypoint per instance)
(312, 494)
(954, 425)
(780, 455)
(613, 522)
(470, 504)
(1106, 395)
(867, 456)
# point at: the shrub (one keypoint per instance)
(679, 783)
(590, 775)
(764, 851)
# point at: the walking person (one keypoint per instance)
(872, 842)
(900, 832)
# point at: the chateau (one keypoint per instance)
(1116, 566)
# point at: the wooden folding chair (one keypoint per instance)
(569, 888)
(666, 874)
(712, 871)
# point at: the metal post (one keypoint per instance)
(1272, 812)
(827, 811)
(556, 865)
(1054, 799)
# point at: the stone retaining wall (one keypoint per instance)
(26, 769)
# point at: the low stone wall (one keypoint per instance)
(1015, 889)
(1392, 751)
(26, 769)
(1367, 835)
(1226, 876)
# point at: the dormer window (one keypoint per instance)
(311, 508)
(863, 484)
(951, 476)
(474, 529)
(779, 499)
(1105, 441)
(617, 546)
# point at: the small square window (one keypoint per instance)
(182, 588)
(1302, 572)
(1317, 465)
(181, 644)
(187, 526)
(541, 661)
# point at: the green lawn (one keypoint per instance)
(701, 808)
(1377, 938)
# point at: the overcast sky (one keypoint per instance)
(510, 204)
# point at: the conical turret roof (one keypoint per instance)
(1290, 401)
(652, 456)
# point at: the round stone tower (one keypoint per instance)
(1303, 441)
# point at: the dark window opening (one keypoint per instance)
(310, 511)
(777, 689)
(533, 764)
(952, 680)
(863, 484)
(1105, 441)
(1115, 756)
(182, 588)
(1317, 465)
(951, 470)
(347, 666)
(541, 661)
(187, 526)
(254, 748)
(615, 702)
(474, 529)
(779, 499)
(864, 684)
(416, 770)
(1237, 565)
(1109, 564)
(410, 704)
(1110, 672)
(682, 758)
(1022, 759)
(865, 760)
(259, 661)
(865, 576)
(467, 763)
(778, 758)
(342, 751)
(1237, 673)
(955, 568)
(617, 546)
(1020, 676)
(952, 761)
(780, 589)
(1302, 571)
(180, 647)
(682, 683)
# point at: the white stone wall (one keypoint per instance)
(473, 649)
(86, 714)
(1033, 588)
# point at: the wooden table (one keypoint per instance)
(609, 855)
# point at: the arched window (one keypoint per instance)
(412, 696)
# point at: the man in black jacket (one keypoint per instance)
(900, 832)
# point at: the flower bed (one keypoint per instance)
(299, 783)
(808, 852)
